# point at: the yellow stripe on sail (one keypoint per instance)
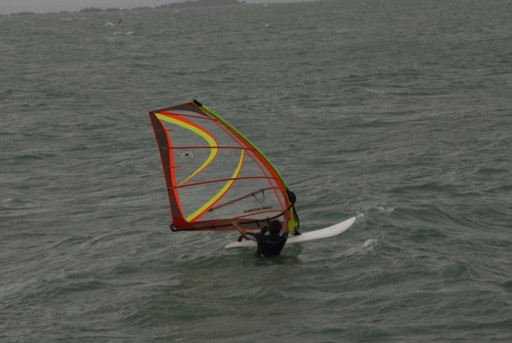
(220, 193)
(204, 134)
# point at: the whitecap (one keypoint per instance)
(385, 209)
(370, 243)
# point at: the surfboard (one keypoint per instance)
(327, 232)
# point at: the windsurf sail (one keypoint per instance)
(215, 175)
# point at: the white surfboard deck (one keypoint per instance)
(327, 232)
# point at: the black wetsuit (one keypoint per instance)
(269, 245)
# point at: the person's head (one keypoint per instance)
(274, 227)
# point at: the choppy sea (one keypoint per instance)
(398, 112)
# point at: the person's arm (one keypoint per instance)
(285, 223)
(243, 232)
(285, 230)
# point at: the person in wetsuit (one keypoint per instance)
(270, 243)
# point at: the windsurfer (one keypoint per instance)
(269, 245)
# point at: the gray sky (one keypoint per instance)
(14, 6)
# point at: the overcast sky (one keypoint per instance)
(14, 6)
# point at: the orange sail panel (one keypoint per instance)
(214, 174)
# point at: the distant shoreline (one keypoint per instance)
(173, 5)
